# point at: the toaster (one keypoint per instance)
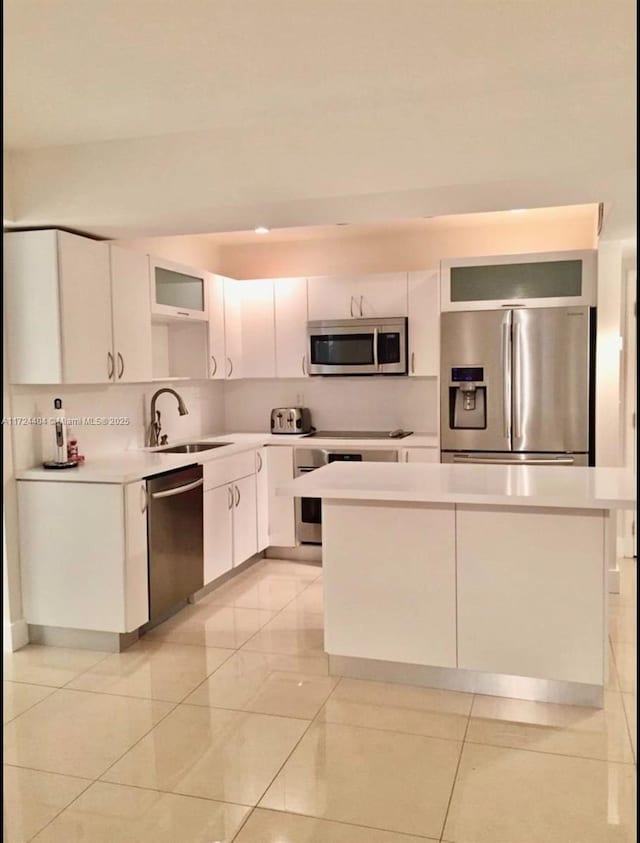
(291, 420)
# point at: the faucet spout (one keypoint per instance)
(155, 427)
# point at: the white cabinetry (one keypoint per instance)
(282, 522)
(79, 310)
(424, 324)
(131, 316)
(262, 498)
(291, 327)
(230, 513)
(217, 354)
(519, 570)
(233, 328)
(419, 455)
(177, 291)
(83, 555)
(418, 623)
(58, 295)
(258, 329)
(358, 296)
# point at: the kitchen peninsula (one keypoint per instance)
(475, 578)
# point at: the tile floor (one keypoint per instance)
(224, 725)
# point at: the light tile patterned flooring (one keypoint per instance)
(224, 725)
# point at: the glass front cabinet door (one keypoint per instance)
(550, 279)
(178, 291)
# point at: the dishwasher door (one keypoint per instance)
(175, 539)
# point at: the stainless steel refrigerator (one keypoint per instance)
(517, 385)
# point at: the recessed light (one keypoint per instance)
(261, 229)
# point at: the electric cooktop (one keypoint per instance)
(361, 434)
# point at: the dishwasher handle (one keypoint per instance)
(179, 490)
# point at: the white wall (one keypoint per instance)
(192, 250)
(336, 404)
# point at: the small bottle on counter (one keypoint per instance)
(72, 451)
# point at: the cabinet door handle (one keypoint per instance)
(143, 498)
(230, 372)
(361, 297)
(230, 497)
(351, 306)
(413, 362)
(182, 313)
(237, 495)
(111, 367)
(259, 456)
(304, 364)
(121, 360)
(215, 366)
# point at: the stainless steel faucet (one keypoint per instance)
(153, 438)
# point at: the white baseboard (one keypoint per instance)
(16, 635)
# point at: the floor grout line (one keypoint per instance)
(455, 775)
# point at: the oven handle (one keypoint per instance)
(375, 348)
(179, 490)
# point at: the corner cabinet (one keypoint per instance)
(258, 329)
(70, 578)
(544, 279)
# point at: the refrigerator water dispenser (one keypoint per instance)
(467, 399)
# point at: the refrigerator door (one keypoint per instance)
(478, 342)
(550, 392)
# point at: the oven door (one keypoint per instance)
(308, 516)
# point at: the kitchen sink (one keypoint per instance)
(192, 447)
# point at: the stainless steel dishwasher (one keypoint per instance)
(175, 540)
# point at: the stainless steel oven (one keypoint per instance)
(309, 510)
(358, 347)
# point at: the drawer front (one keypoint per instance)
(228, 469)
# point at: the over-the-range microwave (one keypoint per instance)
(358, 346)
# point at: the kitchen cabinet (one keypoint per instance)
(230, 513)
(424, 323)
(177, 291)
(83, 555)
(233, 329)
(419, 455)
(258, 329)
(542, 279)
(80, 310)
(217, 354)
(132, 346)
(58, 292)
(290, 299)
(518, 572)
(262, 498)
(358, 296)
(282, 522)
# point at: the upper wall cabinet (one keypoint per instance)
(233, 329)
(177, 291)
(549, 279)
(258, 329)
(358, 296)
(132, 346)
(290, 296)
(217, 354)
(424, 324)
(78, 310)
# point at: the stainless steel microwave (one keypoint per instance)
(358, 346)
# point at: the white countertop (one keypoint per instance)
(130, 466)
(519, 485)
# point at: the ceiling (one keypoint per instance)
(164, 117)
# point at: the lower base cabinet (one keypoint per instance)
(230, 526)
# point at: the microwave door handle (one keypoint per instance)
(375, 348)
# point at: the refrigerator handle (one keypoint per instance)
(517, 386)
(506, 375)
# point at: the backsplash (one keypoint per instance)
(336, 403)
(34, 443)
